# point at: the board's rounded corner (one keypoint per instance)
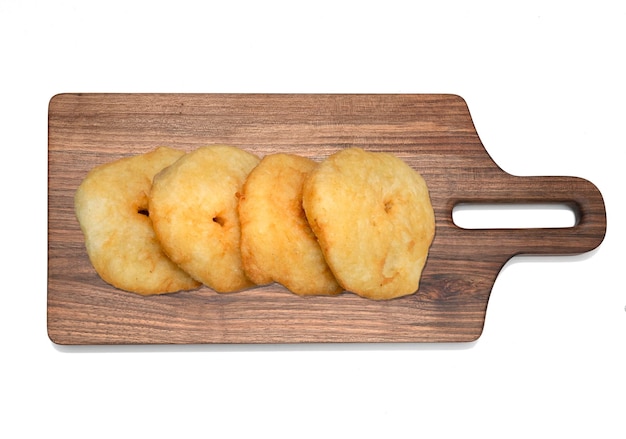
(472, 341)
(52, 101)
(56, 98)
(54, 338)
(459, 98)
(49, 324)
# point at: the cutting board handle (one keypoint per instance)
(581, 195)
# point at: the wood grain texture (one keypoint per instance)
(432, 133)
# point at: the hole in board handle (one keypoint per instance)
(514, 215)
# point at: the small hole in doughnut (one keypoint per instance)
(219, 220)
(143, 212)
(388, 206)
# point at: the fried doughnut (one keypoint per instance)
(111, 206)
(373, 218)
(277, 244)
(193, 206)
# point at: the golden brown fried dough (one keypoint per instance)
(374, 221)
(277, 244)
(111, 206)
(193, 206)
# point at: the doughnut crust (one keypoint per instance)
(373, 218)
(193, 206)
(111, 205)
(277, 244)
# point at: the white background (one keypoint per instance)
(544, 82)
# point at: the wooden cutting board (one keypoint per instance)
(433, 133)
